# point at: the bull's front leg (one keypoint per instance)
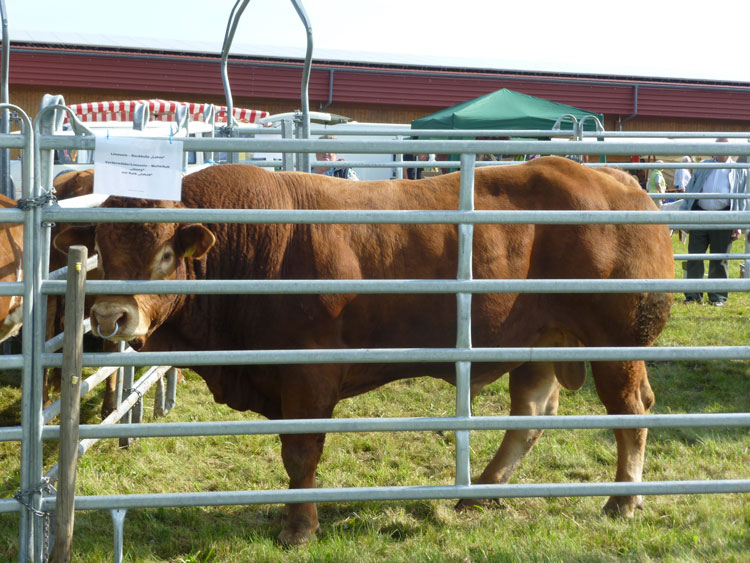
(307, 392)
(623, 387)
(110, 384)
(301, 454)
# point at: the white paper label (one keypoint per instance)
(143, 168)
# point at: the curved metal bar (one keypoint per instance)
(234, 19)
(558, 122)
(41, 127)
(31, 455)
(305, 80)
(597, 123)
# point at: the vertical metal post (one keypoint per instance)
(399, 158)
(31, 415)
(72, 368)
(128, 375)
(46, 123)
(463, 336)
(172, 375)
(118, 386)
(160, 396)
(7, 188)
(209, 116)
(118, 526)
(138, 411)
(287, 132)
(746, 269)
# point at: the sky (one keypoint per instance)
(637, 38)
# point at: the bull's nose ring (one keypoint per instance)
(99, 330)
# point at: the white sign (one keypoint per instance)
(143, 168)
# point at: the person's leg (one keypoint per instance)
(721, 243)
(697, 244)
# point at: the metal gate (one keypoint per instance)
(35, 502)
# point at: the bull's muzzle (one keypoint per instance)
(113, 320)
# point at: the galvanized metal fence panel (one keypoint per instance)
(35, 358)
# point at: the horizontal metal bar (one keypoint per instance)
(12, 141)
(9, 215)
(669, 165)
(717, 256)
(265, 287)
(556, 147)
(87, 385)
(404, 493)
(404, 424)
(406, 355)
(11, 288)
(62, 273)
(671, 134)
(233, 498)
(691, 195)
(397, 424)
(56, 342)
(11, 361)
(363, 216)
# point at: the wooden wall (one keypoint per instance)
(29, 99)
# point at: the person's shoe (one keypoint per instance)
(692, 300)
(717, 303)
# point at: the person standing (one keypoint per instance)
(337, 172)
(713, 181)
(681, 176)
(656, 183)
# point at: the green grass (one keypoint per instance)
(671, 528)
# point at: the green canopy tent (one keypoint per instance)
(505, 109)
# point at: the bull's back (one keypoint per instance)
(521, 252)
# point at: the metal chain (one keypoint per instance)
(48, 196)
(128, 390)
(45, 486)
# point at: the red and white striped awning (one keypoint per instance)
(161, 110)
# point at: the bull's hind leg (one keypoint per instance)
(623, 387)
(534, 390)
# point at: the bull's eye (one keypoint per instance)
(167, 256)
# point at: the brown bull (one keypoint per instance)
(11, 263)
(68, 185)
(235, 322)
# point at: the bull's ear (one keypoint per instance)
(195, 240)
(75, 235)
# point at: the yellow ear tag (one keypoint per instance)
(189, 252)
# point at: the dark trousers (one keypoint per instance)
(720, 242)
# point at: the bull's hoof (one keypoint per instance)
(299, 534)
(623, 507)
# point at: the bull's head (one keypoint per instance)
(130, 251)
